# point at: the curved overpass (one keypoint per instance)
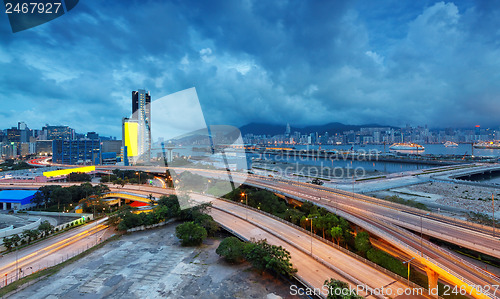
(379, 219)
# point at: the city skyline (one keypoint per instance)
(387, 62)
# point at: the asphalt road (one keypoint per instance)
(50, 252)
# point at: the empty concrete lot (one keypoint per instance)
(152, 264)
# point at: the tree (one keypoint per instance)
(264, 256)
(8, 242)
(151, 199)
(338, 289)
(15, 239)
(208, 223)
(172, 204)
(31, 234)
(362, 242)
(336, 233)
(61, 196)
(190, 233)
(293, 215)
(329, 221)
(45, 227)
(38, 199)
(78, 177)
(130, 220)
(231, 249)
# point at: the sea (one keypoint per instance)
(244, 161)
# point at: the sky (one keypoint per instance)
(299, 62)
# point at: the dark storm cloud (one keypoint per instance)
(303, 62)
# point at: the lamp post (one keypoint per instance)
(311, 233)
(246, 202)
(493, 205)
(408, 262)
(421, 235)
(17, 268)
(139, 173)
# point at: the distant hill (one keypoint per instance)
(331, 128)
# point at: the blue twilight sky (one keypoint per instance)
(303, 62)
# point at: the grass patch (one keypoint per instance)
(52, 270)
(409, 202)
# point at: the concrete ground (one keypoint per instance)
(15, 220)
(152, 264)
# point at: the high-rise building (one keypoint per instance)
(288, 130)
(77, 152)
(59, 132)
(92, 135)
(141, 114)
(130, 139)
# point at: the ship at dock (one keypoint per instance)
(450, 144)
(487, 145)
(407, 146)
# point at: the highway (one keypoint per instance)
(355, 271)
(381, 218)
(50, 252)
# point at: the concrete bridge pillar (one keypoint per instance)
(433, 282)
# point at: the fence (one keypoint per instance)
(21, 272)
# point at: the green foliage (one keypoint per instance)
(79, 177)
(387, 261)
(480, 218)
(11, 241)
(231, 249)
(130, 220)
(293, 215)
(30, 234)
(190, 214)
(208, 223)
(190, 233)
(264, 256)
(171, 202)
(120, 177)
(408, 202)
(192, 182)
(362, 242)
(337, 233)
(45, 227)
(338, 289)
(54, 197)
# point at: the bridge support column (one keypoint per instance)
(433, 282)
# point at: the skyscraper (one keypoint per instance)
(137, 129)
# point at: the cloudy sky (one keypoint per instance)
(303, 62)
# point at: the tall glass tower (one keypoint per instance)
(141, 113)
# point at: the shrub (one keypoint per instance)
(190, 233)
(231, 249)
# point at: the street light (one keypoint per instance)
(139, 177)
(493, 205)
(421, 235)
(408, 262)
(311, 232)
(246, 199)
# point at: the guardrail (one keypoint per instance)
(296, 276)
(343, 250)
(415, 252)
(384, 203)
